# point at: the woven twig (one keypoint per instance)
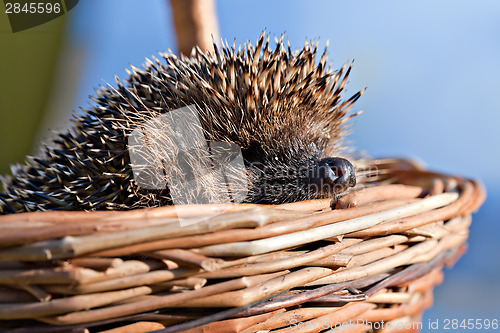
(376, 257)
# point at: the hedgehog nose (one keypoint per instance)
(336, 174)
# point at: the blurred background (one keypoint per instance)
(432, 69)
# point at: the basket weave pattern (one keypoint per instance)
(298, 267)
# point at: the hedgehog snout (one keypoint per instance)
(333, 175)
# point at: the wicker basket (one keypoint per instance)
(369, 265)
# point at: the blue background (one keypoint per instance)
(432, 72)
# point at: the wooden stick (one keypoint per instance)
(189, 283)
(170, 319)
(423, 252)
(195, 24)
(69, 304)
(448, 242)
(38, 292)
(392, 298)
(292, 299)
(19, 225)
(431, 230)
(284, 319)
(330, 300)
(479, 198)
(262, 290)
(437, 186)
(278, 265)
(54, 217)
(11, 295)
(76, 246)
(188, 258)
(347, 312)
(232, 325)
(308, 205)
(148, 278)
(411, 273)
(63, 275)
(274, 229)
(375, 244)
(100, 264)
(75, 275)
(272, 256)
(397, 226)
(379, 266)
(378, 193)
(137, 327)
(36, 234)
(388, 314)
(153, 304)
(142, 214)
(365, 258)
(426, 282)
(361, 328)
(458, 224)
(333, 261)
(84, 328)
(340, 228)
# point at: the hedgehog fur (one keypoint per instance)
(283, 108)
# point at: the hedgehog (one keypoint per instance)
(284, 110)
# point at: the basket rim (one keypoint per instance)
(427, 229)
